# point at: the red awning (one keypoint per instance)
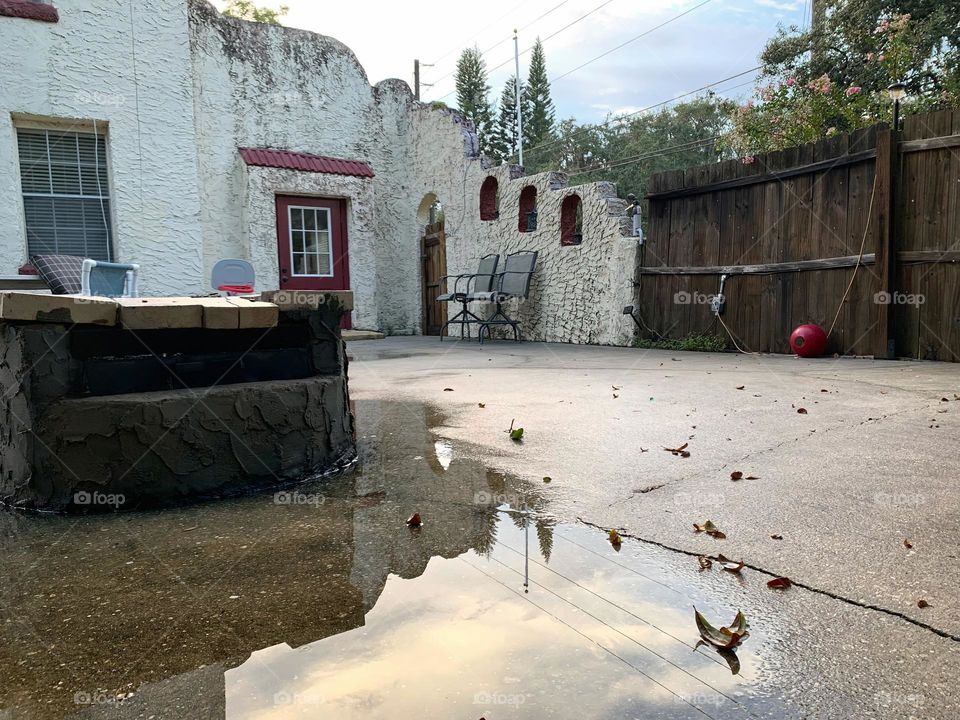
(268, 157)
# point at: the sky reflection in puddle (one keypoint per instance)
(319, 602)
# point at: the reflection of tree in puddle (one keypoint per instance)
(139, 602)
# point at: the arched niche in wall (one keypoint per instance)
(489, 199)
(528, 204)
(571, 220)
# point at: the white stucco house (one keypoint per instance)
(165, 134)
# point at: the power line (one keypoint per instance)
(633, 39)
(620, 118)
(478, 34)
(680, 147)
(548, 37)
(501, 42)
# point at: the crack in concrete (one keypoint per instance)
(795, 583)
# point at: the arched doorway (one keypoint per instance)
(433, 251)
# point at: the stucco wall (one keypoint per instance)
(102, 61)
(181, 88)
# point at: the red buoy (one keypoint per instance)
(809, 341)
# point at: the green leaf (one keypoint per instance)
(516, 434)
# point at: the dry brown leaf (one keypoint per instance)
(614, 538)
(740, 387)
(802, 411)
(483, 405)
(736, 475)
(730, 565)
(779, 583)
(776, 537)
(414, 520)
(705, 562)
(921, 603)
(907, 544)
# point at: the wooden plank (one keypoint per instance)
(881, 224)
(922, 257)
(219, 314)
(256, 313)
(160, 313)
(803, 169)
(910, 146)
(858, 308)
(65, 309)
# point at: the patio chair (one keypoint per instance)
(232, 276)
(107, 279)
(481, 281)
(512, 282)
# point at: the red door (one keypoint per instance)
(312, 244)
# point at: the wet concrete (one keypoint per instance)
(319, 602)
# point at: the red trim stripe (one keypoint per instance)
(268, 157)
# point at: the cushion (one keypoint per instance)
(61, 273)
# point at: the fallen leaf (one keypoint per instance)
(729, 565)
(907, 544)
(414, 520)
(710, 529)
(483, 405)
(685, 454)
(705, 562)
(802, 411)
(677, 450)
(614, 538)
(824, 390)
(921, 603)
(779, 583)
(736, 475)
(516, 434)
(547, 478)
(751, 477)
(615, 396)
(740, 387)
(615, 387)
(776, 537)
(448, 389)
(725, 638)
(643, 450)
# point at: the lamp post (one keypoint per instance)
(896, 91)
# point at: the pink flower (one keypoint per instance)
(852, 90)
(869, 56)
(748, 159)
(791, 82)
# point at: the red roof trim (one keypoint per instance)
(268, 157)
(29, 10)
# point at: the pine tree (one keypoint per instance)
(472, 89)
(503, 139)
(539, 119)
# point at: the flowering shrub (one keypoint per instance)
(790, 110)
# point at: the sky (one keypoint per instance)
(718, 39)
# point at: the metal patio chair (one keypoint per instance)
(512, 282)
(107, 279)
(480, 281)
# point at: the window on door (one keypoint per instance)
(66, 197)
(311, 243)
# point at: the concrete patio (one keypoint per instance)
(870, 464)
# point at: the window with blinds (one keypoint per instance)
(66, 197)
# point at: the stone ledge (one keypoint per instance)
(64, 309)
(29, 10)
(349, 335)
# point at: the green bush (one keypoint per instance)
(693, 343)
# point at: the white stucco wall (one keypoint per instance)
(127, 65)
(181, 88)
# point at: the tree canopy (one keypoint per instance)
(246, 10)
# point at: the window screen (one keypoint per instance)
(65, 193)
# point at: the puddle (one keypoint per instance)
(319, 602)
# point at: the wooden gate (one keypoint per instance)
(433, 250)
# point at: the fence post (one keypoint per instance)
(883, 345)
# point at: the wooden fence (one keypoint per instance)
(793, 228)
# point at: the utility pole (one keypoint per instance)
(817, 29)
(416, 79)
(516, 59)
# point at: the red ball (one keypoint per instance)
(809, 341)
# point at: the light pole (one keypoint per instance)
(896, 91)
